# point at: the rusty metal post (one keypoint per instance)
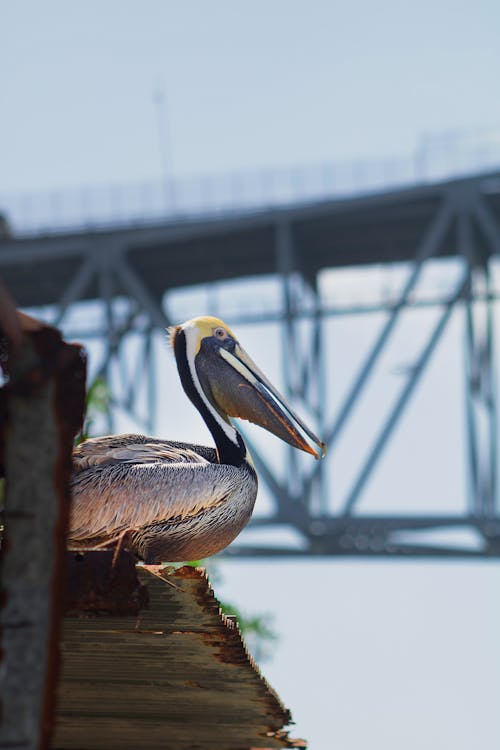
(41, 408)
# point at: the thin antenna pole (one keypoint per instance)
(160, 104)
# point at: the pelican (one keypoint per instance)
(172, 501)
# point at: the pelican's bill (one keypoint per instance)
(240, 389)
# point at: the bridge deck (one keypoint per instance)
(380, 228)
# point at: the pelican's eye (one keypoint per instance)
(220, 333)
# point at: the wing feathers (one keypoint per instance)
(136, 449)
(129, 487)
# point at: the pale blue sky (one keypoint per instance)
(248, 84)
(376, 655)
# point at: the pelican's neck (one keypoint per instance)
(230, 446)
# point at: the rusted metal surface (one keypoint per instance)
(41, 409)
(176, 676)
(10, 325)
(102, 583)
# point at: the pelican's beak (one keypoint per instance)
(242, 390)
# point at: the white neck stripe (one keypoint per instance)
(191, 333)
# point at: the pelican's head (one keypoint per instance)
(230, 384)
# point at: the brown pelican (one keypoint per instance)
(170, 501)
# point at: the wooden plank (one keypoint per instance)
(177, 675)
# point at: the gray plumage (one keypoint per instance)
(129, 487)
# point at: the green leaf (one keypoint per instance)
(97, 402)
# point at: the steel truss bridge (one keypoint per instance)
(140, 265)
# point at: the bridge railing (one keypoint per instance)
(188, 198)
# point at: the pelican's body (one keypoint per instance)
(171, 501)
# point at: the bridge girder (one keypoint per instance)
(461, 223)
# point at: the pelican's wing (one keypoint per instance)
(136, 449)
(111, 498)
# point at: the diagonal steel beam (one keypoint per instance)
(285, 263)
(119, 333)
(141, 366)
(481, 385)
(490, 399)
(401, 402)
(77, 286)
(467, 250)
(472, 436)
(139, 291)
(481, 411)
(487, 221)
(427, 248)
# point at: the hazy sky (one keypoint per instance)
(247, 84)
(381, 655)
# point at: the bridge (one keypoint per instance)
(124, 278)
